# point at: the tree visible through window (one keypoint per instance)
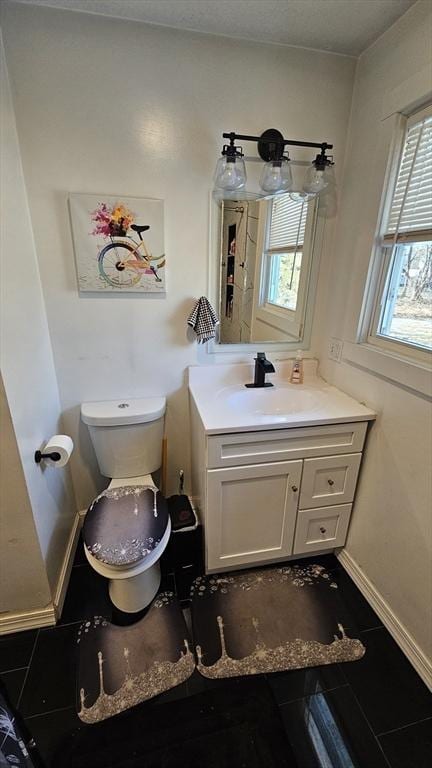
(285, 251)
(284, 279)
(408, 310)
(404, 311)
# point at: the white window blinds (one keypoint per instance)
(410, 215)
(287, 225)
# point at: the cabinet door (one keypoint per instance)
(251, 514)
(329, 480)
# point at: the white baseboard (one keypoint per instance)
(66, 568)
(400, 634)
(20, 621)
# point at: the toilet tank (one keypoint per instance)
(126, 435)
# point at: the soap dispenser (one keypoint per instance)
(297, 369)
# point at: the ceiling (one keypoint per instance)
(339, 26)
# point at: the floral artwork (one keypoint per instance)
(119, 243)
(112, 221)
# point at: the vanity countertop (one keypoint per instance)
(226, 405)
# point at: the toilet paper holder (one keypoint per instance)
(56, 452)
(54, 456)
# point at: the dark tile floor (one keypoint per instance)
(373, 713)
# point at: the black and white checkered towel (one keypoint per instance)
(203, 319)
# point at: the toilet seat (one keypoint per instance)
(125, 526)
(118, 572)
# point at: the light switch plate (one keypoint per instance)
(335, 349)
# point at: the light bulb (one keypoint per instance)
(315, 180)
(230, 173)
(276, 176)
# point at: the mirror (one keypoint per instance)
(267, 266)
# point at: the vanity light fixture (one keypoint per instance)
(276, 176)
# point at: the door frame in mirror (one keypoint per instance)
(213, 287)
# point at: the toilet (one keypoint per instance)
(127, 526)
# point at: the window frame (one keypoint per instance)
(287, 320)
(384, 257)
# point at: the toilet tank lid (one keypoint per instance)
(111, 413)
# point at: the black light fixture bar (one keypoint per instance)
(285, 142)
(271, 143)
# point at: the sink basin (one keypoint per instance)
(223, 403)
(277, 401)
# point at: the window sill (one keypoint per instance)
(399, 370)
(278, 317)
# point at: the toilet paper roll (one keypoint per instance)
(62, 444)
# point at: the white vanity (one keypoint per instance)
(274, 470)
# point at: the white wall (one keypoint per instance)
(390, 536)
(26, 356)
(23, 581)
(113, 106)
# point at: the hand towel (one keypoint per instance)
(203, 319)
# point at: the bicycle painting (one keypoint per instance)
(118, 243)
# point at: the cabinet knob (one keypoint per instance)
(330, 481)
(294, 488)
(322, 530)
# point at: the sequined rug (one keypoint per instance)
(233, 724)
(120, 667)
(269, 620)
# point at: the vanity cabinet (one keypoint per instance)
(270, 495)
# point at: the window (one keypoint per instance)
(285, 263)
(402, 318)
(284, 251)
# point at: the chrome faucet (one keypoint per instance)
(262, 366)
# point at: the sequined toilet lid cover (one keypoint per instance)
(124, 525)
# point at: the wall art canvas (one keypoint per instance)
(119, 243)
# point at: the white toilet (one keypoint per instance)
(127, 526)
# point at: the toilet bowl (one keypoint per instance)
(127, 526)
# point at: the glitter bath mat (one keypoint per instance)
(270, 620)
(120, 667)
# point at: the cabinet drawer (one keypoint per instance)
(329, 480)
(322, 528)
(243, 448)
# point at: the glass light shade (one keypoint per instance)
(276, 176)
(230, 173)
(301, 197)
(316, 179)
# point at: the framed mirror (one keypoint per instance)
(265, 263)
